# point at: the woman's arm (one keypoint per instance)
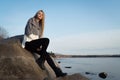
(29, 30)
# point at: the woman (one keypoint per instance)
(34, 42)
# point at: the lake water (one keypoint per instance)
(92, 65)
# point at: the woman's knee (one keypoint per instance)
(47, 40)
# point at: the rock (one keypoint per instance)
(17, 63)
(90, 73)
(59, 62)
(87, 72)
(68, 67)
(76, 76)
(103, 75)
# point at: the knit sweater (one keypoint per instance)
(32, 31)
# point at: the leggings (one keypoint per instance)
(41, 43)
(32, 46)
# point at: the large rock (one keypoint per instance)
(17, 63)
(76, 76)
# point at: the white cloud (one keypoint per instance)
(106, 42)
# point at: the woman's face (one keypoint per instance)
(40, 15)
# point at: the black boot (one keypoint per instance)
(40, 62)
(59, 72)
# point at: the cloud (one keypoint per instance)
(105, 42)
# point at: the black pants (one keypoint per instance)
(34, 46)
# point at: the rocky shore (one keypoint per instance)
(17, 63)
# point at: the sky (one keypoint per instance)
(79, 27)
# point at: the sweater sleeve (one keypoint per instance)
(28, 28)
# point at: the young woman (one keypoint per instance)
(34, 42)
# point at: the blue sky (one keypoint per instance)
(73, 26)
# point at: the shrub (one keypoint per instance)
(3, 33)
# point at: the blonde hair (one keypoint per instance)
(41, 22)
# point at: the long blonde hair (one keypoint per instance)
(41, 22)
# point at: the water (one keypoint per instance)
(92, 65)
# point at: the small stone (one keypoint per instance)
(87, 72)
(59, 62)
(103, 75)
(68, 67)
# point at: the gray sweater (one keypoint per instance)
(33, 27)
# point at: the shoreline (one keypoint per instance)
(86, 56)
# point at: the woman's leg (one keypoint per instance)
(57, 70)
(34, 46)
(44, 42)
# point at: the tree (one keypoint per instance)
(3, 33)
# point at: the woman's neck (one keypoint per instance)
(37, 20)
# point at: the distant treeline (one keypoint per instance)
(86, 56)
(77, 56)
(95, 55)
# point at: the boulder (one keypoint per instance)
(17, 63)
(75, 76)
